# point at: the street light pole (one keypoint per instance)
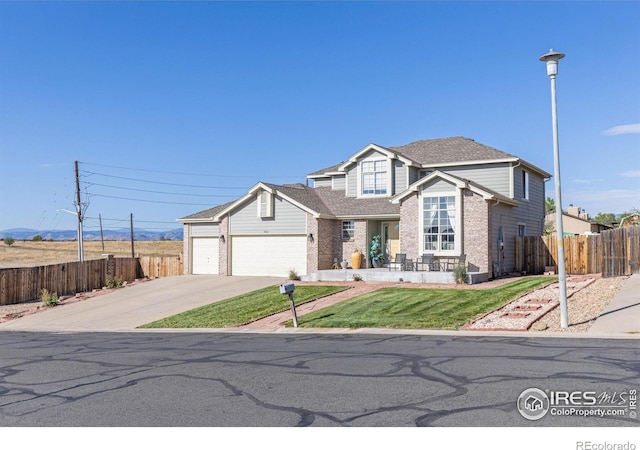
(551, 59)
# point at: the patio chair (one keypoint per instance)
(399, 262)
(461, 261)
(429, 262)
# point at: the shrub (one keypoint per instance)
(37, 238)
(460, 274)
(293, 275)
(49, 298)
(113, 283)
(357, 277)
(9, 241)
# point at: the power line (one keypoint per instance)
(160, 182)
(183, 173)
(153, 201)
(155, 192)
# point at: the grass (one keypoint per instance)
(244, 308)
(36, 253)
(446, 309)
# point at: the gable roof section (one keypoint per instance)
(205, 216)
(460, 183)
(344, 207)
(451, 151)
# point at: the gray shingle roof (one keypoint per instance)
(342, 206)
(324, 171)
(207, 213)
(449, 150)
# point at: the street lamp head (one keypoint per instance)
(552, 59)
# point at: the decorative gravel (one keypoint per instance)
(587, 298)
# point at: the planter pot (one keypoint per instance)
(344, 264)
(376, 263)
(356, 259)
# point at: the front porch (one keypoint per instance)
(387, 276)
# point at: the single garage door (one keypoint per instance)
(205, 256)
(268, 255)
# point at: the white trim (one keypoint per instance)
(458, 182)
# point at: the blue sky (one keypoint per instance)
(174, 107)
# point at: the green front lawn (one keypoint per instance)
(446, 309)
(243, 308)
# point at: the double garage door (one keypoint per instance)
(268, 255)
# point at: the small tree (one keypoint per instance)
(37, 238)
(549, 205)
(9, 241)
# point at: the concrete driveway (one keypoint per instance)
(127, 308)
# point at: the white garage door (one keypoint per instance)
(268, 255)
(205, 256)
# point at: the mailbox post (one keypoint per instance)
(288, 288)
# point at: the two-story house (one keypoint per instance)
(448, 197)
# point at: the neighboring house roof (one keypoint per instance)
(486, 193)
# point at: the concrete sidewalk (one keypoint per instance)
(622, 315)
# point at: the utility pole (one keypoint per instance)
(101, 233)
(133, 253)
(79, 210)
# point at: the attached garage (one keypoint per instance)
(268, 255)
(204, 256)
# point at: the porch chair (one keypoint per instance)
(462, 261)
(428, 261)
(399, 261)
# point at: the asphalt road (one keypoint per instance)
(219, 379)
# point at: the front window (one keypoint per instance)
(348, 229)
(439, 223)
(374, 177)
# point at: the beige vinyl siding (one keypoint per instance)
(287, 219)
(352, 181)
(493, 176)
(204, 229)
(438, 185)
(339, 183)
(399, 177)
(322, 182)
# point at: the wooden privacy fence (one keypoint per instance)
(612, 253)
(25, 284)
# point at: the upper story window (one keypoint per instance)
(374, 177)
(525, 185)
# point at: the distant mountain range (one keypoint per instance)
(123, 234)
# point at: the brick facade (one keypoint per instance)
(410, 227)
(223, 247)
(186, 241)
(475, 228)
